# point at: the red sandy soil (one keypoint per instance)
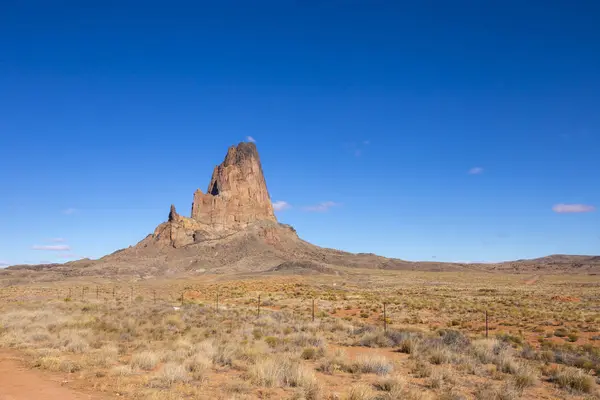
(533, 280)
(19, 383)
(566, 299)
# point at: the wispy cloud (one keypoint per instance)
(57, 247)
(321, 207)
(58, 240)
(281, 205)
(357, 148)
(476, 171)
(572, 208)
(4, 264)
(68, 255)
(250, 139)
(70, 211)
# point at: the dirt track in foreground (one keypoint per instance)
(19, 383)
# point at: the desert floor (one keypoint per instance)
(209, 337)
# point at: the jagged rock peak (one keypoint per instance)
(237, 194)
(241, 153)
(173, 216)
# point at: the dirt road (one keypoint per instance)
(19, 383)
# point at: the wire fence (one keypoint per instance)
(129, 294)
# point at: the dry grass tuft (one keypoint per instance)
(525, 376)
(121, 370)
(266, 372)
(375, 364)
(146, 360)
(172, 373)
(574, 380)
(487, 391)
(361, 391)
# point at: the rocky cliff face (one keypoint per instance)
(237, 194)
(237, 197)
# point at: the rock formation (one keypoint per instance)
(237, 197)
(237, 194)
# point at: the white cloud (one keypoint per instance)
(57, 247)
(321, 207)
(70, 211)
(250, 139)
(4, 264)
(476, 171)
(281, 205)
(572, 208)
(58, 240)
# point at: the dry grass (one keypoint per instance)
(433, 347)
(373, 364)
(575, 380)
(172, 373)
(360, 391)
(146, 360)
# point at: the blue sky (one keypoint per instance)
(455, 131)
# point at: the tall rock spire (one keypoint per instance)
(237, 194)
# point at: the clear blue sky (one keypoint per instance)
(111, 111)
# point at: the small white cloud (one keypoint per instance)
(250, 139)
(476, 171)
(57, 247)
(4, 264)
(321, 207)
(281, 205)
(58, 240)
(70, 211)
(572, 208)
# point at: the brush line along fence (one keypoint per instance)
(131, 294)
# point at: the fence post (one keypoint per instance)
(182, 298)
(486, 324)
(258, 307)
(113, 292)
(313, 310)
(384, 319)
